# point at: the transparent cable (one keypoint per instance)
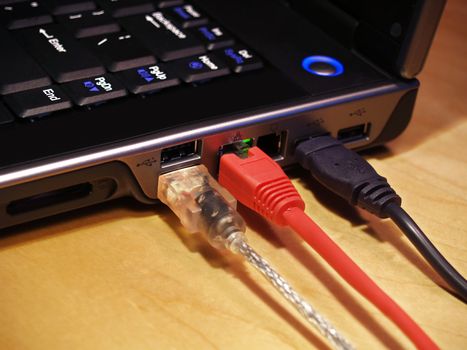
(202, 205)
(297, 301)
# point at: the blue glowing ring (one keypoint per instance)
(308, 61)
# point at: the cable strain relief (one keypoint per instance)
(274, 198)
(374, 196)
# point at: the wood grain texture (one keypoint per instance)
(125, 276)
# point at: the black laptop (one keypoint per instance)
(97, 98)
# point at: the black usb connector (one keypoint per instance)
(347, 174)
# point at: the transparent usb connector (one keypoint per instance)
(202, 205)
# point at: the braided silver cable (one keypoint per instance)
(302, 306)
(193, 196)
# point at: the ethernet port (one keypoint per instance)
(272, 145)
(239, 147)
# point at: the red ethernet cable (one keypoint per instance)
(260, 184)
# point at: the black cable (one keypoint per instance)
(427, 249)
(347, 174)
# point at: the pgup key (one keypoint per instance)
(148, 78)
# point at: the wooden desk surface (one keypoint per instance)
(125, 276)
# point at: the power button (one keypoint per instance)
(323, 65)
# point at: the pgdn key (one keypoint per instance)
(94, 90)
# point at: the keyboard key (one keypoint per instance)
(24, 14)
(5, 116)
(199, 68)
(91, 23)
(38, 101)
(8, 2)
(60, 54)
(240, 59)
(18, 71)
(120, 51)
(163, 36)
(123, 8)
(94, 90)
(187, 15)
(213, 36)
(62, 7)
(149, 78)
(169, 3)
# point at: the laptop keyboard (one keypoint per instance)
(63, 54)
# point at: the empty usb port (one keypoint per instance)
(180, 154)
(354, 133)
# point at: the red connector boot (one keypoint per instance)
(260, 184)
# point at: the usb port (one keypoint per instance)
(354, 133)
(180, 154)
